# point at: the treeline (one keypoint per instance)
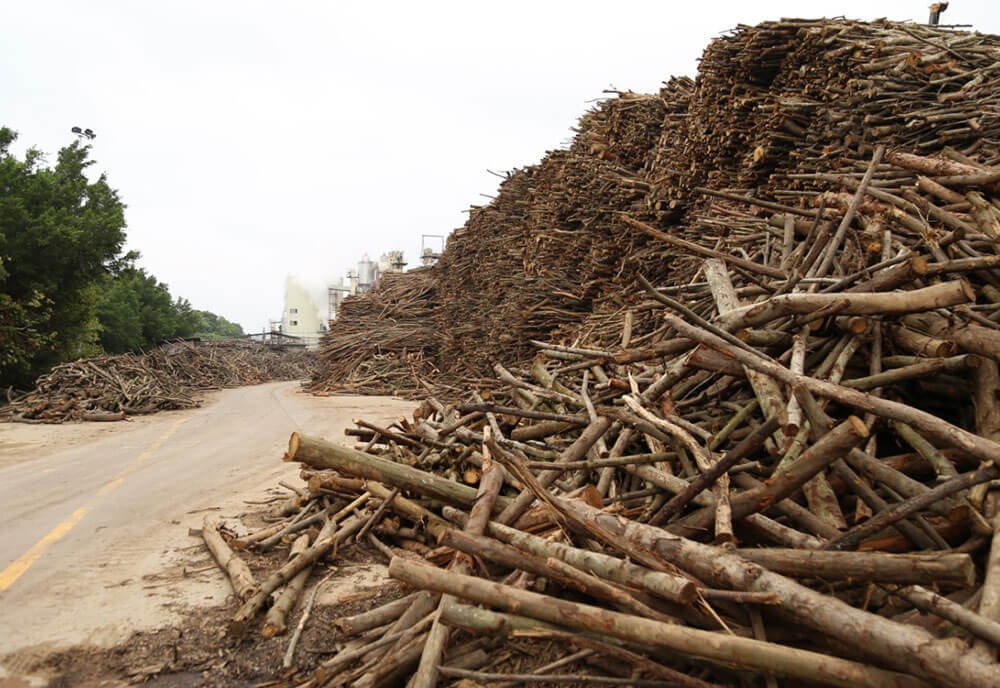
(67, 290)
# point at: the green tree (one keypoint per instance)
(212, 327)
(59, 233)
(136, 312)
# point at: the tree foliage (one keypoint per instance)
(59, 232)
(212, 327)
(136, 311)
(66, 288)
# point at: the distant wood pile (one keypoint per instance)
(113, 387)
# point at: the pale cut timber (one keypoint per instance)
(942, 430)
(236, 569)
(899, 646)
(884, 303)
(665, 585)
(731, 649)
(319, 453)
(904, 569)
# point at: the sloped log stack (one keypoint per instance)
(766, 450)
(782, 112)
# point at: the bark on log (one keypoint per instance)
(898, 646)
(513, 558)
(972, 338)
(747, 447)
(327, 539)
(576, 451)
(903, 569)
(373, 618)
(275, 622)
(945, 432)
(882, 303)
(319, 453)
(828, 449)
(744, 652)
(236, 569)
(901, 510)
(666, 585)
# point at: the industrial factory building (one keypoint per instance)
(362, 279)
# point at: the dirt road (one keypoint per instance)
(95, 517)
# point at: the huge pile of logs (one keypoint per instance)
(665, 520)
(523, 265)
(767, 451)
(784, 111)
(170, 377)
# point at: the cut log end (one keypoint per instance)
(858, 427)
(293, 447)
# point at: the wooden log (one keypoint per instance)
(972, 338)
(987, 406)
(490, 483)
(275, 623)
(513, 558)
(632, 659)
(901, 510)
(934, 167)
(756, 268)
(927, 368)
(747, 447)
(932, 603)
(327, 539)
(666, 585)
(903, 569)
(236, 569)
(989, 605)
(433, 523)
(327, 481)
(319, 453)
(333, 666)
(538, 431)
(945, 432)
(765, 388)
(735, 650)
(102, 416)
(895, 645)
(828, 449)
(921, 344)
(883, 303)
(526, 679)
(892, 276)
(576, 451)
(852, 208)
(941, 464)
(373, 618)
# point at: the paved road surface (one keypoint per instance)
(94, 518)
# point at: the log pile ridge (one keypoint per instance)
(742, 427)
(109, 388)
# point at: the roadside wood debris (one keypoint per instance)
(109, 388)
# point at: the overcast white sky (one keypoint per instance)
(254, 139)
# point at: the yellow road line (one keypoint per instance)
(24, 562)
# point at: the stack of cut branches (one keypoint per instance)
(113, 387)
